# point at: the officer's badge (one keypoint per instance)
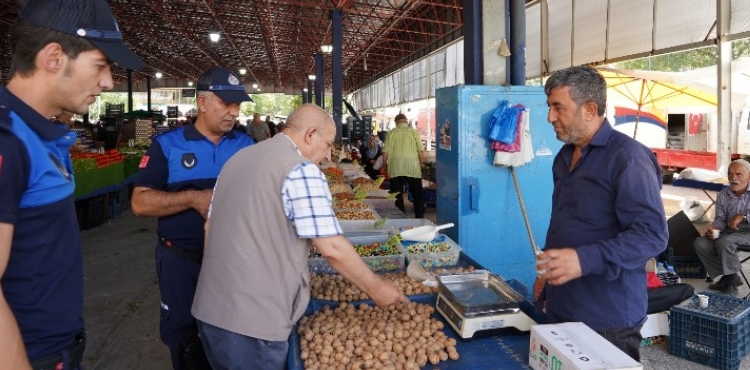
(60, 167)
(189, 160)
(233, 80)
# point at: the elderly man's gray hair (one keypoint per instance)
(743, 162)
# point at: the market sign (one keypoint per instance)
(188, 93)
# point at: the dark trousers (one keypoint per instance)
(416, 189)
(627, 340)
(178, 278)
(229, 350)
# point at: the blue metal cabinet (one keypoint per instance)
(479, 197)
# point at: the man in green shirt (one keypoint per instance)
(402, 156)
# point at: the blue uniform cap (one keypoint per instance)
(223, 83)
(90, 19)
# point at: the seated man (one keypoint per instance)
(718, 248)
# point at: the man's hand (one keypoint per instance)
(558, 266)
(202, 200)
(734, 222)
(387, 294)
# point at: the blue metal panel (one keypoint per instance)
(480, 198)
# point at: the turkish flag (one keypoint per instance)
(694, 123)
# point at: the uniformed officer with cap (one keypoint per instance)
(175, 184)
(62, 53)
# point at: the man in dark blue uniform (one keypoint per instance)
(175, 183)
(61, 56)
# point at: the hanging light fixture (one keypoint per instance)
(255, 86)
(327, 49)
(190, 83)
(304, 89)
(158, 75)
(214, 36)
(243, 71)
(311, 77)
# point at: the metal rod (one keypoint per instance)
(534, 248)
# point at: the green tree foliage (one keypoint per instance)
(685, 60)
(271, 104)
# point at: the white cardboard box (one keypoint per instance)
(656, 324)
(575, 346)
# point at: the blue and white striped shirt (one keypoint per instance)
(307, 202)
(729, 205)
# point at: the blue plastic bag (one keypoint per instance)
(504, 123)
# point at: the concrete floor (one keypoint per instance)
(121, 302)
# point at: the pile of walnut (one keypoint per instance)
(336, 288)
(402, 336)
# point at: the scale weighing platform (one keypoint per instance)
(479, 301)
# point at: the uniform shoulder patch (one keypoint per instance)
(144, 162)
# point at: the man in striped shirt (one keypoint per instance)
(719, 254)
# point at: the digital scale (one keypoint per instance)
(480, 301)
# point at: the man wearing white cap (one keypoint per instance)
(61, 57)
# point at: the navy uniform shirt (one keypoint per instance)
(43, 282)
(608, 208)
(184, 159)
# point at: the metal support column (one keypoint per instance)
(148, 93)
(319, 79)
(130, 90)
(518, 42)
(473, 66)
(336, 70)
(304, 95)
(724, 81)
(309, 91)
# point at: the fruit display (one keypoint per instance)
(339, 187)
(349, 204)
(356, 215)
(332, 287)
(402, 336)
(109, 157)
(362, 180)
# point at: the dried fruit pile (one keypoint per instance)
(403, 336)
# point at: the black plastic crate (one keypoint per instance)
(717, 336)
(686, 266)
(95, 212)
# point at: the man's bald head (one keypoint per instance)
(312, 130)
(308, 116)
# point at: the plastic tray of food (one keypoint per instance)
(377, 194)
(392, 259)
(350, 205)
(381, 203)
(479, 292)
(339, 187)
(440, 252)
(356, 215)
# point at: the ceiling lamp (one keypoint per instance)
(158, 75)
(258, 89)
(214, 36)
(304, 89)
(243, 71)
(190, 83)
(327, 49)
(311, 77)
(255, 86)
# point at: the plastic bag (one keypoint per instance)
(693, 209)
(515, 146)
(504, 122)
(526, 153)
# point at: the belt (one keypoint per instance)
(67, 359)
(189, 255)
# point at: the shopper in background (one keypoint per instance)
(175, 183)
(258, 129)
(403, 155)
(371, 152)
(271, 126)
(607, 215)
(719, 254)
(254, 282)
(53, 68)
